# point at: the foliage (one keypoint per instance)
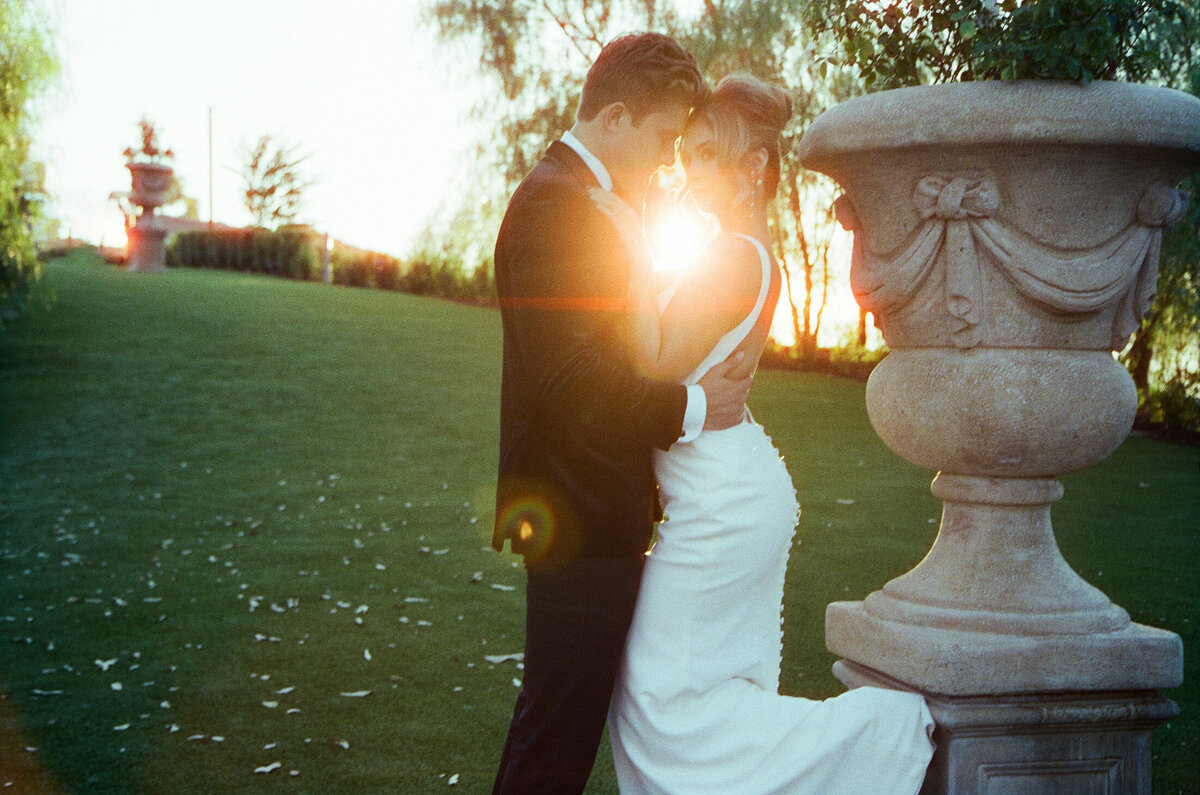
(846, 360)
(148, 148)
(294, 440)
(1164, 354)
(295, 253)
(28, 65)
(291, 253)
(897, 44)
(275, 184)
(357, 268)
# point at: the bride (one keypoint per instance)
(696, 708)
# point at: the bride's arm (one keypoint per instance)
(712, 299)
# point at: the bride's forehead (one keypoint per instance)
(697, 133)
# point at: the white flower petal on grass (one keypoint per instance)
(117, 686)
(285, 690)
(217, 738)
(270, 704)
(496, 659)
(516, 682)
(453, 780)
(500, 587)
(842, 501)
(477, 577)
(367, 655)
(106, 664)
(271, 768)
(121, 728)
(357, 693)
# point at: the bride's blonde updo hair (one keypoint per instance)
(747, 114)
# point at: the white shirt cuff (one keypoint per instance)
(694, 414)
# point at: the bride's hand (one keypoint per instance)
(624, 218)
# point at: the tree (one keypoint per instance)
(1164, 354)
(274, 183)
(28, 65)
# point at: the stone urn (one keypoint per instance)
(1006, 240)
(147, 237)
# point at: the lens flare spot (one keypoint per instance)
(530, 524)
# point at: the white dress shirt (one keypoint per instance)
(697, 403)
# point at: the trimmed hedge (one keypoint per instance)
(291, 253)
(296, 254)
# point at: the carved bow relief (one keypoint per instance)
(959, 234)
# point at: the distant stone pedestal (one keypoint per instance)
(1082, 743)
(1006, 239)
(147, 246)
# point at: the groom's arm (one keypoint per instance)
(560, 285)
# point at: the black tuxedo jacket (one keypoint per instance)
(577, 422)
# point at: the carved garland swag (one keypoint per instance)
(957, 222)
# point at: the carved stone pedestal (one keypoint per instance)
(1082, 743)
(147, 246)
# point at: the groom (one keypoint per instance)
(576, 491)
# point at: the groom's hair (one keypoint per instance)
(644, 71)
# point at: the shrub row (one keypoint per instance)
(289, 253)
(296, 254)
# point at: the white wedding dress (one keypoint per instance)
(696, 708)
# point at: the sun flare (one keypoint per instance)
(677, 238)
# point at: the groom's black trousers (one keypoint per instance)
(576, 618)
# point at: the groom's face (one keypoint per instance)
(645, 146)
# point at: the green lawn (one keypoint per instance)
(245, 525)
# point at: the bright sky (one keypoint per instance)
(356, 84)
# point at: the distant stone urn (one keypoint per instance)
(1006, 239)
(151, 181)
(147, 237)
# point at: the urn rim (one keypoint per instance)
(991, 112)
(134, 165)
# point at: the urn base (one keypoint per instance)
(1095, 742)
(959, 663)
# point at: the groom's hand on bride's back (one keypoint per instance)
(726, 387)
